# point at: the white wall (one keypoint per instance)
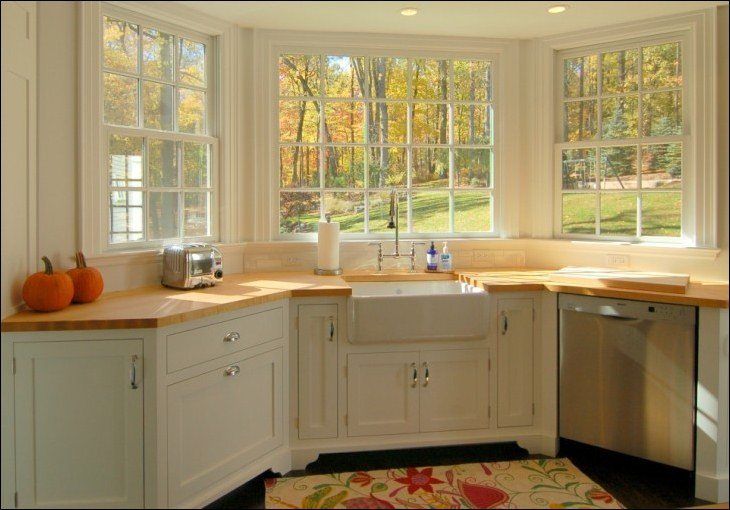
(57, 183)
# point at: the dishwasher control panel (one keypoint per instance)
(627, 308)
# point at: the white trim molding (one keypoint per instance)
(701, 194)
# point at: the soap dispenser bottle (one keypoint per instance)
(431, 258)
(446, 265)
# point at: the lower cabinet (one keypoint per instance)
(79, 424)
(410, 392)
(221, 420)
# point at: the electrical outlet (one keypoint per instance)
(617, 260)
(483, 258)
(268, 264)
(291, 261)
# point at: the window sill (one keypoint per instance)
(645, 248)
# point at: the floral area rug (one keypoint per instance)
(549, 483)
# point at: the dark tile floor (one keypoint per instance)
(635, 482)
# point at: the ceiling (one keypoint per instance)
(517, 19)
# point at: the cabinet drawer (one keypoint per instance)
(222, 420)
(199, 345)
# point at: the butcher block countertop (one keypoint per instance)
(157, 306)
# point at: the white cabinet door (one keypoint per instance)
(382, 393)
(515, 363)
(317, 348)
(78, 424)
(454, 390)
(221, 420)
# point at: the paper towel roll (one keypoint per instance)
(328, 246)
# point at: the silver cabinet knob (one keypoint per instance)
(232, 336)
(232, 370)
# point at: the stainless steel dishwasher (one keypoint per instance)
(627, 377)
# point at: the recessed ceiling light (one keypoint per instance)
(557, 9)
(409, 11)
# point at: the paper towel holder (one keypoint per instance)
(328, 272)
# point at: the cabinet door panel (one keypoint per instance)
(515, 363)
(456, 395)
(219, 421)
(381, 395)
(79, 424)
(317, 348)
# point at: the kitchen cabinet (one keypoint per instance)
(426, 391)
(515, 352)
(79, 424)
(317, 376)
(221, 420)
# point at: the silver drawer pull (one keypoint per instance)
(332, 329)
(232, 337)
(427, 375)
(414, 380)
(133, 373)
(232, 370)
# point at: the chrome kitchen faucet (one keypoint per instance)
(393, 223)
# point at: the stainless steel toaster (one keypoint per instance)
(191, 265)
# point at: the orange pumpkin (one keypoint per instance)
(48, 290)
(88, 283)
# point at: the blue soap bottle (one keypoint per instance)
(431, 258)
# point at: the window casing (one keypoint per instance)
(158, 149)
(623, 129)
(424, 126)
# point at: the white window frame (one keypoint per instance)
(685, 139)
(501, 53)
(699, 194)
(94, 207)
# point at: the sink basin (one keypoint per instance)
(419, 311)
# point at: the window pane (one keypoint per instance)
(298, 212)
(344, 167)
(579, 169)
(162, 218)
(430, 211)
(430, 123)
(192, 62)
(662, 66)
(191, 111)
(120, 45)
(388, 122)
(195, 165)
(344, 122)
(618, 214)
(346, 208)
(162, 163)
(661, 214)
(196, 222)
(580, 76)
(388, 77)
(619, 167)
(472, 212)
(388, 167)
(662, 114)
(473, 124)
(157, 105)
(125, 161)
(379, 211)
(473, 167)
(661, 166)
(299, 75)
(345, 76)
(430, 168)
(472, 80)
(157, 60)
(299, 121)
(299, 167)
(430, 79)
(126, 221)
(120, 100)
(579, 213)
(580, 120)
(620, 71)
(620, 117)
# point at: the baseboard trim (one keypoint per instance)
(711, 487)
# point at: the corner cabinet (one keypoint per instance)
(79, 424)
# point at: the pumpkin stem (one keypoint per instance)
(80, 260)
(48, 266)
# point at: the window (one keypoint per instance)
(621, 160)
(354, 127)
(159, 155)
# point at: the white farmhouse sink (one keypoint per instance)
(416, 312)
